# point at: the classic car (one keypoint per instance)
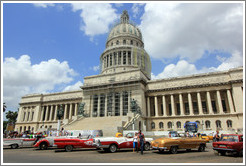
(232, 143)
(44, 143)
(173, 144)
(70, 143)
(206, 137)
(18, 142)
(112, 144)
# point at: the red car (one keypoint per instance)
(232, 143)
(70, 143)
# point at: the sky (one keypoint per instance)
(51, 47)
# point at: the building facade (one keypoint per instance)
(214, 100)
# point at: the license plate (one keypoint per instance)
(222, 145)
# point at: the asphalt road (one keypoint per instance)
(31, 155)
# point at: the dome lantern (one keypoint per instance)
(124, 17)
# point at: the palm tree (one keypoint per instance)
(4, 107)
(11, 116)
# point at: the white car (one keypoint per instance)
(111, 144)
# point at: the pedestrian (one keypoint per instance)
(216, 136)
(199, 135)
(135, 142)
(187, 134)
(141, 140)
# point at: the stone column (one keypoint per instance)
(42, 114)
(210, 109)
(237, 94)
(70, 111)
(173, 105)
(126, 57)
(46, 113)
(230, 102)
(220, 110)
(199, 103)
(190, 104)
(148, 107)
(76, 109)
(156, 107)
(164, 105)
(51, 112)
(113, 59)
(98, 106)
(121, 53)
(65, 112)
(121, 104)
(55, 116)
(106, 105)
(181, 103)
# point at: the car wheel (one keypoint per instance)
(69, 148)
(14, 146)
(221, 153)
(173, 150)
(113, 148)
(147, 146)
(201, 148)
(43, 146)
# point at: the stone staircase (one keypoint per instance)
(129, 123)
(109, 125)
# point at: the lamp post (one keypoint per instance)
(60, 113)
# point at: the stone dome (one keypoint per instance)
(125, 49)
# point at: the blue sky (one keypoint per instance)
(52, 47)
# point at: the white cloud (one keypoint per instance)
(20, 77)
(76, 86)
(185, 30)
(96, 17)
(118, 4)
(136, 9)
(183, 68)
(95, 68)
(43, 5)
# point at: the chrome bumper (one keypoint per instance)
(157, 148)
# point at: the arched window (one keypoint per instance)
(24, 128)
(152, 125)
(131, 42)
(218, 123)
(229, 123)
(207, 123)
(161, 125)
(20, 129)
(29, 128)
(198, 122)
(117, 42)
(178, 124)
(169, 125)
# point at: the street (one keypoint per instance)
(32, 155)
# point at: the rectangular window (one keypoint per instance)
(178, 108)
(95, 105)
(117, 104)
(170, 109)
(214, 107)
(195, 107)
(124, 57)
(204, 107)
(115, 62)
(109, 104)
(129, 58)
(162, 109)
(224, 106)
(102, 105)
(125, 103)
(119, 59)
(187, 110)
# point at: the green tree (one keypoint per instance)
(11, 116)
(4, 107)
(5, 125)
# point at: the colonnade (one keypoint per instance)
(191, 103)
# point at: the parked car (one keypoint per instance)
(112, 144)
(232, 143)
(206, 137)
(18, 142)
(173, 144)
(44, 143)
(70, 143)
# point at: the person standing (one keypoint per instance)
(141, 140)
(216, 136)
(135, 142)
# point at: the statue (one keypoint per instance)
(60, 111)
(135, 108)
(81, 111)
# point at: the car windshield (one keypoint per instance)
(203, 135)
(230, 138)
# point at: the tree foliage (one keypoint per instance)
(11, 116)
(4, 107)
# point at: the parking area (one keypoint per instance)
(32, 155)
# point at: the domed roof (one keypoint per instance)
(124, 28)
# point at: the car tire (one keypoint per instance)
(201, 148)
(147, 146)
(173, 150)
(112, 148)
(69, 148)
(222, 153)
(43, 146)
(14, 146)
